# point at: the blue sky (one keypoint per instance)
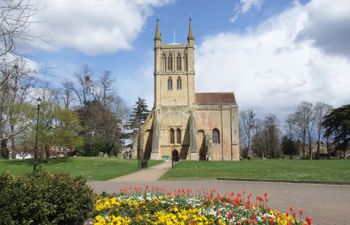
(272, 53)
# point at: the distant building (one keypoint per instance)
(184, 124)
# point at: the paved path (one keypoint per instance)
(150, 174)
(327, 204)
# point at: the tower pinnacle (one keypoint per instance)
(157, 35)
(190, 36)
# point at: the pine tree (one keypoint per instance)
(137, 117)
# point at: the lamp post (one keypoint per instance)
(36, 133)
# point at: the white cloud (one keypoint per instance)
(328, 26)
(91, 26)
(271, 72)
(26, 65)
(245, 6)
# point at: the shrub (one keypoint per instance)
(44, 198)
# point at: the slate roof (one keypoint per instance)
(220, 98)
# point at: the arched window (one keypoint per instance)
(172, 138)
(170, 83)
(185, 62)
(178, 136)
(178, 62)
(178, 83)
(170, 62)
(164, 62)
(216, 136)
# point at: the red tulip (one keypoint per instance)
(308, 220)
(300, 212)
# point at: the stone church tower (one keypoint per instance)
(184, 124)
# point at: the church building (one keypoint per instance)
(184, 124)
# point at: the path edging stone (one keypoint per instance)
(285, 181)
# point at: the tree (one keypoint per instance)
(102, 88)
(258, 144)
(289, 146)
(265, 141)
(101, 112)
(101, 129)
(15, 17)
(84, 78)
(337, 125)
(138, 116)
(66, 129)
(67, 94)
(14, 99)
(272, 134)
(248, 123)
(291, 127)
(302, 120)
(57, 127)
(320, 111)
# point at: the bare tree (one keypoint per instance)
(320, 111)
(15, 17)
(67, 93)
(258, 144)
(102, 90)
(290, 127)
(247, 123)
(265, 140)
(84, 77)
(14, 99)
(303, 119)
(271, 134)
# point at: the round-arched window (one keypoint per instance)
(216, 135)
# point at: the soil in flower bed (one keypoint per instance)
(158, 206)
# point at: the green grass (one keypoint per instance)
(292, 170)
(88, 167)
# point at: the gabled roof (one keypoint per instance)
(221, 98)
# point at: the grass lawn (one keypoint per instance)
(269, 169)
(90, 168)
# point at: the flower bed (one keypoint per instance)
(157, 206)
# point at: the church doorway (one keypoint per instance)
(175, 155)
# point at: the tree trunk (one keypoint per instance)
(318, 145)
(4, 153)
(303, 147)
(13, 148)
(13, 143)
(47, 152)
(310, 148)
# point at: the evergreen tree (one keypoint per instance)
(337, 124)
(137, 117)
(289, 147)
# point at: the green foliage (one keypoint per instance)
(289, 147)
(337, 125)
(138, 116)
(101, 130)
(57, 127)
(66, 132)
(44, 198)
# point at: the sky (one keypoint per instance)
(272, 54)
